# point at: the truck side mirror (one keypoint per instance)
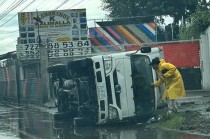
(145, 49)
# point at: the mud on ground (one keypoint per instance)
(191, 117)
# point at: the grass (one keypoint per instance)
(178, 120)
(184, 121)
(173, 121)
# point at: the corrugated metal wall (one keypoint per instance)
(30, 91)
(3, 83)
(8, 83)
(11, 82)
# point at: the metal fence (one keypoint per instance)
(14, 90)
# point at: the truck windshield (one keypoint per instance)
(144, 95)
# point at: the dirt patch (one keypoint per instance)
(189, 120)
(195, 122)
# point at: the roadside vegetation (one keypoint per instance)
(190, 121)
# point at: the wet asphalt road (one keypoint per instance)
(32, 123)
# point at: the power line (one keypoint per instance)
(65, 1)
(16, 14)
(8, 8)
(3, 12)
(11, 8)
(77, 3)
(2, 2)
(6, 32)
(47, 6)
(40, 4)
(85, 1)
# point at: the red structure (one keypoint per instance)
(182, 54)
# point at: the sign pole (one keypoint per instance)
(44, 80)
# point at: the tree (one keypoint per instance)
(149, 9)
(128, 8)
(199, 22)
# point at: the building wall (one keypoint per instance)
(205, 59)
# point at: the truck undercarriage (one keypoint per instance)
(74, 88)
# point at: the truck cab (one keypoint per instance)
(108, 88)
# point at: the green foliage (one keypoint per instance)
(199, 23)
(201, 19)
(129, 8)
(150, 9)
(173, 121)
(188, 33)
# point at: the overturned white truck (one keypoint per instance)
(106, 88)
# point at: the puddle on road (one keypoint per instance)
(122, 132)
(27, 124)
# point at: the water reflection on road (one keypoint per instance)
(119, 132)
(34, 124)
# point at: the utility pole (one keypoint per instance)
(122, 43)
(172, 32)
(44, 80)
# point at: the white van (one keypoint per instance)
(107, 88)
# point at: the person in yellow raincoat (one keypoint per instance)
(174, 86)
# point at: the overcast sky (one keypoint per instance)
(9, 19)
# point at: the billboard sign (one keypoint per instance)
(54, 49)
(55, 27)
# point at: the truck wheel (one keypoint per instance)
(81, 121)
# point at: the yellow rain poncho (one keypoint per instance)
(174, 84)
